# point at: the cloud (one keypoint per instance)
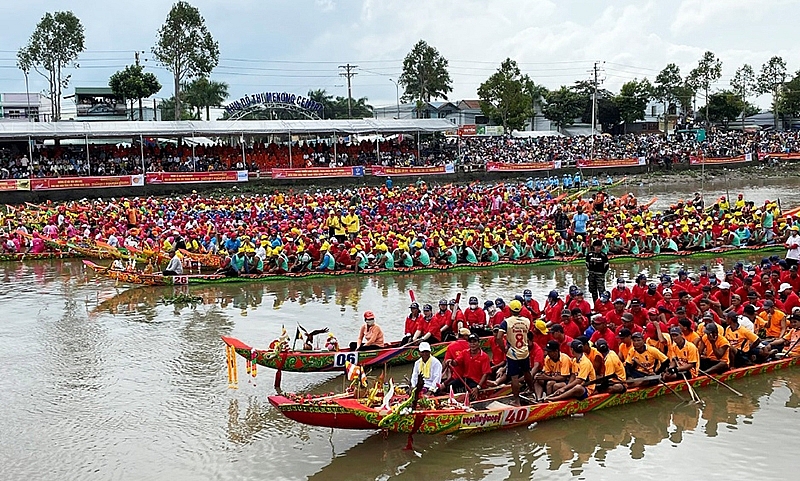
(325, 5)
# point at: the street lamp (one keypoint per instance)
(397, 92)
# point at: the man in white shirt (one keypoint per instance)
(792, 245)
(429, 367)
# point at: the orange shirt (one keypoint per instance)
(583, 369)
(624, 349)
(645, 361)
(741, 339)
(562, 367)
(614, 366)
(792, 337)
(687, 354)
(372, 336)
(771, 323)
(709, 348)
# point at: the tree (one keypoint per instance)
(607, 114)
(337, 108)
(789, 101)
(54, 45)
(504, 98)
(185, 47)
(744, 83)
(724, 106)
(205, 93)
(536, 93)
(133, 83)
(708, 71)
(167, 108)
(770, 80)
(563, 106)
(632, 100)
(667, 89)
(425, 74)
(321, 96)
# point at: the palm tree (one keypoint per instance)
(203, 92)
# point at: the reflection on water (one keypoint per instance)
(127, 387)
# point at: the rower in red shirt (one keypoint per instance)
(640, 288)
(723, 295)
(788, 298)
(603, 303)
(651, 297)
(474, 315)
(792, 278)
(531, 304)
(564, 341)
(475, 366)
(614, 316)
(553, 307)
(621, 291)
(601, 331)
(639, 314)
(568, 324)
(412, 321)
(578, 302)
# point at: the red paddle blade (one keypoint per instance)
(413, 297)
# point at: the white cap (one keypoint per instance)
(784, 286)
(667, 291)
(424, 346)
(724, 285)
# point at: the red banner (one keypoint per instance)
(610, 163)
(468, 130)
(318, 172)
(501, 167)
(195, 177)
(381, 171)
(779, 155)
(62, 183)
(9, 185)
(695, 160)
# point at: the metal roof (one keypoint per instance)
(62, 130)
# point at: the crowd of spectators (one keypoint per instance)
(401, 151)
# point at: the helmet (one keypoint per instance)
(527, 293)
(473, 300)
(553, 295)
(499, 302)
(427, 307)
(414, 305)
(515, 306)
(443, 302)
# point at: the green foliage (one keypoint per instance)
(167, 108)
(134, 84)
(632, 100)
(563, 106)
(185, 47)
(336, 108)
(504, 96)
(770, 80)
(425, 74)
(54, 45)
(204, 93)
(667, 84)
(708, 71)
(789, 100)
(724, 107)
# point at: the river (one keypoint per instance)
(102, 382)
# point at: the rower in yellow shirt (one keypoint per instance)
(581, 384)
(613, 369)
(714, 350)
(555, 373)
(683, 356)
(644, 360)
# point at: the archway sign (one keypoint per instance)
(274, 101)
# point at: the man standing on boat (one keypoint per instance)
(597, 265)
(516, 330)
(429, 367)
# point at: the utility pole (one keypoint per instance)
(349, 72)
(594, 106)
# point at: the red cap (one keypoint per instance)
(652, 311)
(369, 315)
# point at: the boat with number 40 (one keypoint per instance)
(442, 416)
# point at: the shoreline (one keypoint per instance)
(639, 175)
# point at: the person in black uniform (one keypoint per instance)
(597, 265)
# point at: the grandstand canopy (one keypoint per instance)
(66, 130)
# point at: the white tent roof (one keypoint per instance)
(49, 130)
(536, 133)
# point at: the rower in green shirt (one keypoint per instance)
(470, 255)
(423, 257)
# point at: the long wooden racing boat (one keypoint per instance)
(326, 411)
(136, 277)
(319, 361)
(487, 414)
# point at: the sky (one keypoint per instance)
(295, 46)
